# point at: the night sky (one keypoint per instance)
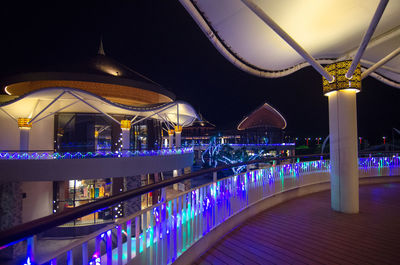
(159, 39)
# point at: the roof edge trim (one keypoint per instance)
(126, 107)
(66, 76)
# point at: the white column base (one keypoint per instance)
(96, 142)
(176, 173)
(171, 141)
(24, 139)
(343, 151)
(126, 140)
(215, 176)
(178, 137)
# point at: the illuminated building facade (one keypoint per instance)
(83, 132)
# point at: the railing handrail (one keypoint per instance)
(46, 154)
(165, 148)
(106, 150)
(22, 231)
(125, 219)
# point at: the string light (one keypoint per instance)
(96, 154)
(96, 260)
(207, 200)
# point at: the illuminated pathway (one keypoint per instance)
(307, 231)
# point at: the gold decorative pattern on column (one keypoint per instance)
(125, 124)
(178, 129)
(338, 71)
(23, 123)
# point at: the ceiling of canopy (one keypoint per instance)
(329, 30)
(42, 103)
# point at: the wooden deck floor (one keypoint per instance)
(307, 231)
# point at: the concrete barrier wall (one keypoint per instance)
(91, 168)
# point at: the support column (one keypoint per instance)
(171, 138)
(176, 173)
(11, 197)
(343, 136)
(24, 130)
(157, 193)
(11, 215)
(126, 130)
(178, 135)
(132, 205)
(343, 150)
(96, 139)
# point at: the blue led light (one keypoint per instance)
(203, 208)
(97, 154)
(28, 261)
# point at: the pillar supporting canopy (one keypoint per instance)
(171, 132)
(338, 70)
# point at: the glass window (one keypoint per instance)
(74, 193)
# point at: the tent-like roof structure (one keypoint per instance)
(264, 116)
(98, 74)
(329, 30)
(42, 103)
(96, 85)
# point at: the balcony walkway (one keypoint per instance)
(306, 231)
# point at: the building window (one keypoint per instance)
(73, 193)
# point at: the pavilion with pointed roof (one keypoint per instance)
(99, 74)
(94, 107)
(263, 117)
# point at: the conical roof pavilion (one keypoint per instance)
(98, 74)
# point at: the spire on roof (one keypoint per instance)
(101, 49)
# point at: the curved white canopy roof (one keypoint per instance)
(329, 30)
(42, 103)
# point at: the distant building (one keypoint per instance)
(263, 128)
(198, 130)
(263, 125)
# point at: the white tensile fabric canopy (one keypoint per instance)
(44, 102)
(329, 30)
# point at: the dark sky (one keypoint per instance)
(159, 39)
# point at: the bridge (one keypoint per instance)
(180, 229)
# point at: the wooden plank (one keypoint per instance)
(343, 239)
(214, 259)
(267, 250)
(334, 237)
(251, 252)
(306, 231)
(297, 244)
(233, 256)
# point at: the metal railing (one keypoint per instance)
(161, 233)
